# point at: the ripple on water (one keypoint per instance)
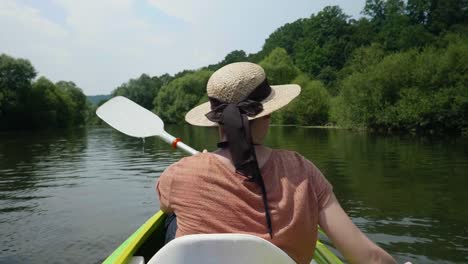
(83, 193)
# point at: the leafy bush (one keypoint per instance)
(176, 98)
(311, 107)
(141, 90)
(411, 90)
(39, 104)
(279, 67)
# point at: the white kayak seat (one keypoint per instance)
(137, 260)
(220, 248)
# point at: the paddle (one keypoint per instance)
(136, 121)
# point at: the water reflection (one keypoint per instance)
(405, 192)
(29, 162)
(82, 192)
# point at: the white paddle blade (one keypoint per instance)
(130, 118)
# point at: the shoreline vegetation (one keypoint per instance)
(402, 67)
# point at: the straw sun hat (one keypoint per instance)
(234, 83)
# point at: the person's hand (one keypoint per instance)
(206, 151)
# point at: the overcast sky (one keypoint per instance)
(100, 44)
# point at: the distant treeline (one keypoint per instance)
(404, 66)
(97, 99)
(26, 103)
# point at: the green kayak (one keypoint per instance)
(149, 238)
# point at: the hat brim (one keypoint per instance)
(280, 96)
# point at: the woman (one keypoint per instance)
(246, 187)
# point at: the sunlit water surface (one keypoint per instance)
(73, 197)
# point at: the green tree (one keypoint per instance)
(180, 95)
(284, 37)
(15, 82)
(76, 102)
(363, 58)
(375, 9)
(233, 56)
(411, 90)
(444, 14)
(324, 42)
(311, 107)
(279, 67)
(418, 11)
(48, 105)
(362, 33)
(399, 26)
(142, 90)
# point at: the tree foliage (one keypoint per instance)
(324, 42)
(77, 101)
(279, 67)
(402, 65)
(411, 90)
(141, 90)
(285, 37)
(233, 56)
(310, 108)
(15, 82)
(180, 95)
(49, 105)
(25, 103)
(373, 71)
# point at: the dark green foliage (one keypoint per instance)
(356, 72)
(141, 90)
(15, 83)
(399, 26)
(233, 56)
(319, 43)
(284, 37)
(180, 95)
(77, 102)
(95, 99)
(411, 90)
(49, 105)
(402, 65)
(279, 67)
(375, 9)
(418, 11)
(41, 104)
(362, 58)
(324, 43)
(443, 14)
(310, 108)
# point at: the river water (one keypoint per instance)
(73, 196)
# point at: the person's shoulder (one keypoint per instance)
(295, 160)
(289, 155)
(187, 163)
(196, 159)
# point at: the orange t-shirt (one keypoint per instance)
(208, 197)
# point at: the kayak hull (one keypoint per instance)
(149, 238)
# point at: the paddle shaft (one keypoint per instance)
(179, 144)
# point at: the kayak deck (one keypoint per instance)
(149, 238)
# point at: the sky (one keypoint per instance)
(100, 44)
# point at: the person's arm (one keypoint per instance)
(163, 189)
(347, 238)
(163, 201)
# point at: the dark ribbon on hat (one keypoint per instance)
(234, 118)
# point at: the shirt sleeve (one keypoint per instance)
(321, 186)
(163, 187)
